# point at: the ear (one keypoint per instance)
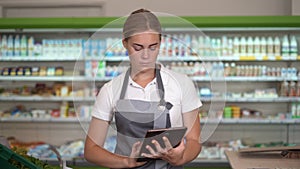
(125, 43)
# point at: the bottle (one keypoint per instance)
(194, 46)
(4, 46)
(243, 46)
(187, 41)
(294, 110)
(175, 46)
(201, 50)
(182, 45)
(23, 46)
(293, 48)
(225, 46)
(169, 41)
(250, 48)
(284, 89)
(263, 46)
(230, 47)
(232, 69)
(270, 48)
(298, 89)
(256, 46)
(226, 69)
(208, 47)
(17, 49)
(236, 46)
(277, 46)
(285, 48)
(292, 89)
(10, 46)
(31, 46)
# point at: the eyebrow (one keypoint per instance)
(143, 46)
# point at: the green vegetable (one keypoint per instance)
(35, 161)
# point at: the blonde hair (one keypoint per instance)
(139, 21)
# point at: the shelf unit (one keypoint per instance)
(209, 25)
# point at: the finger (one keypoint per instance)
(157, 146)
(135, 149)
(151, 150)
(167, 143)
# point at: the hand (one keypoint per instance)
(169, 154)
(131, 161)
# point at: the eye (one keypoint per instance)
(137, 48)
(153, 48)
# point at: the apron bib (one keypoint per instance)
(135, 117)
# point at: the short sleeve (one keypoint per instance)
(103, 105)
(190, 98)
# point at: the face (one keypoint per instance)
(143, 49)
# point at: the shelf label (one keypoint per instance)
(278, 57)
(247, 58)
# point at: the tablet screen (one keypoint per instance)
(174, 134)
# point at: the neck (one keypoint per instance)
(143, 77)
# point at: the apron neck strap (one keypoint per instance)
(158, 80)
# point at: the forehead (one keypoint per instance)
(145, 37)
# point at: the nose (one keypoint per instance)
(145, 54)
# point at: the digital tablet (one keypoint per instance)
(174, 134)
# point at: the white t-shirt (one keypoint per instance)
(180, 91)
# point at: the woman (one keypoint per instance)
(147, 96)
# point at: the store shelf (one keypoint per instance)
(54, 120)
(160, 58)
(45, 98)
(40, 58)
(90, 99)
(195, 78)
(250, 121)
(203, 121)
(242, 100)
(53, 78)
(244, 79)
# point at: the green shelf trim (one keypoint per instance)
(198, 21)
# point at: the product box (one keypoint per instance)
(265, 158)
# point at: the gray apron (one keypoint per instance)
(135, 117)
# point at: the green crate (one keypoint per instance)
(6, 155)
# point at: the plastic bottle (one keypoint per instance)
(285, 48)
(298, 89)
(225, 46)
(23, 46)
(10, 46)
(169, 41)
(230, 47)
(201, 46)
(263, 46)
(284, 89)
(277, 46)
(4, 46)
(187, 41)
(270, 48)
(236, 46)
(232, 69)
(182, 45)
(294, 110)
(250, 49)
(31, 46)
(17, 47)
(256, 46)
(194, 46)
(292, 89)
(243, 46)
(175, 46)
(208, 47)
(293, 48)
(226, 69)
